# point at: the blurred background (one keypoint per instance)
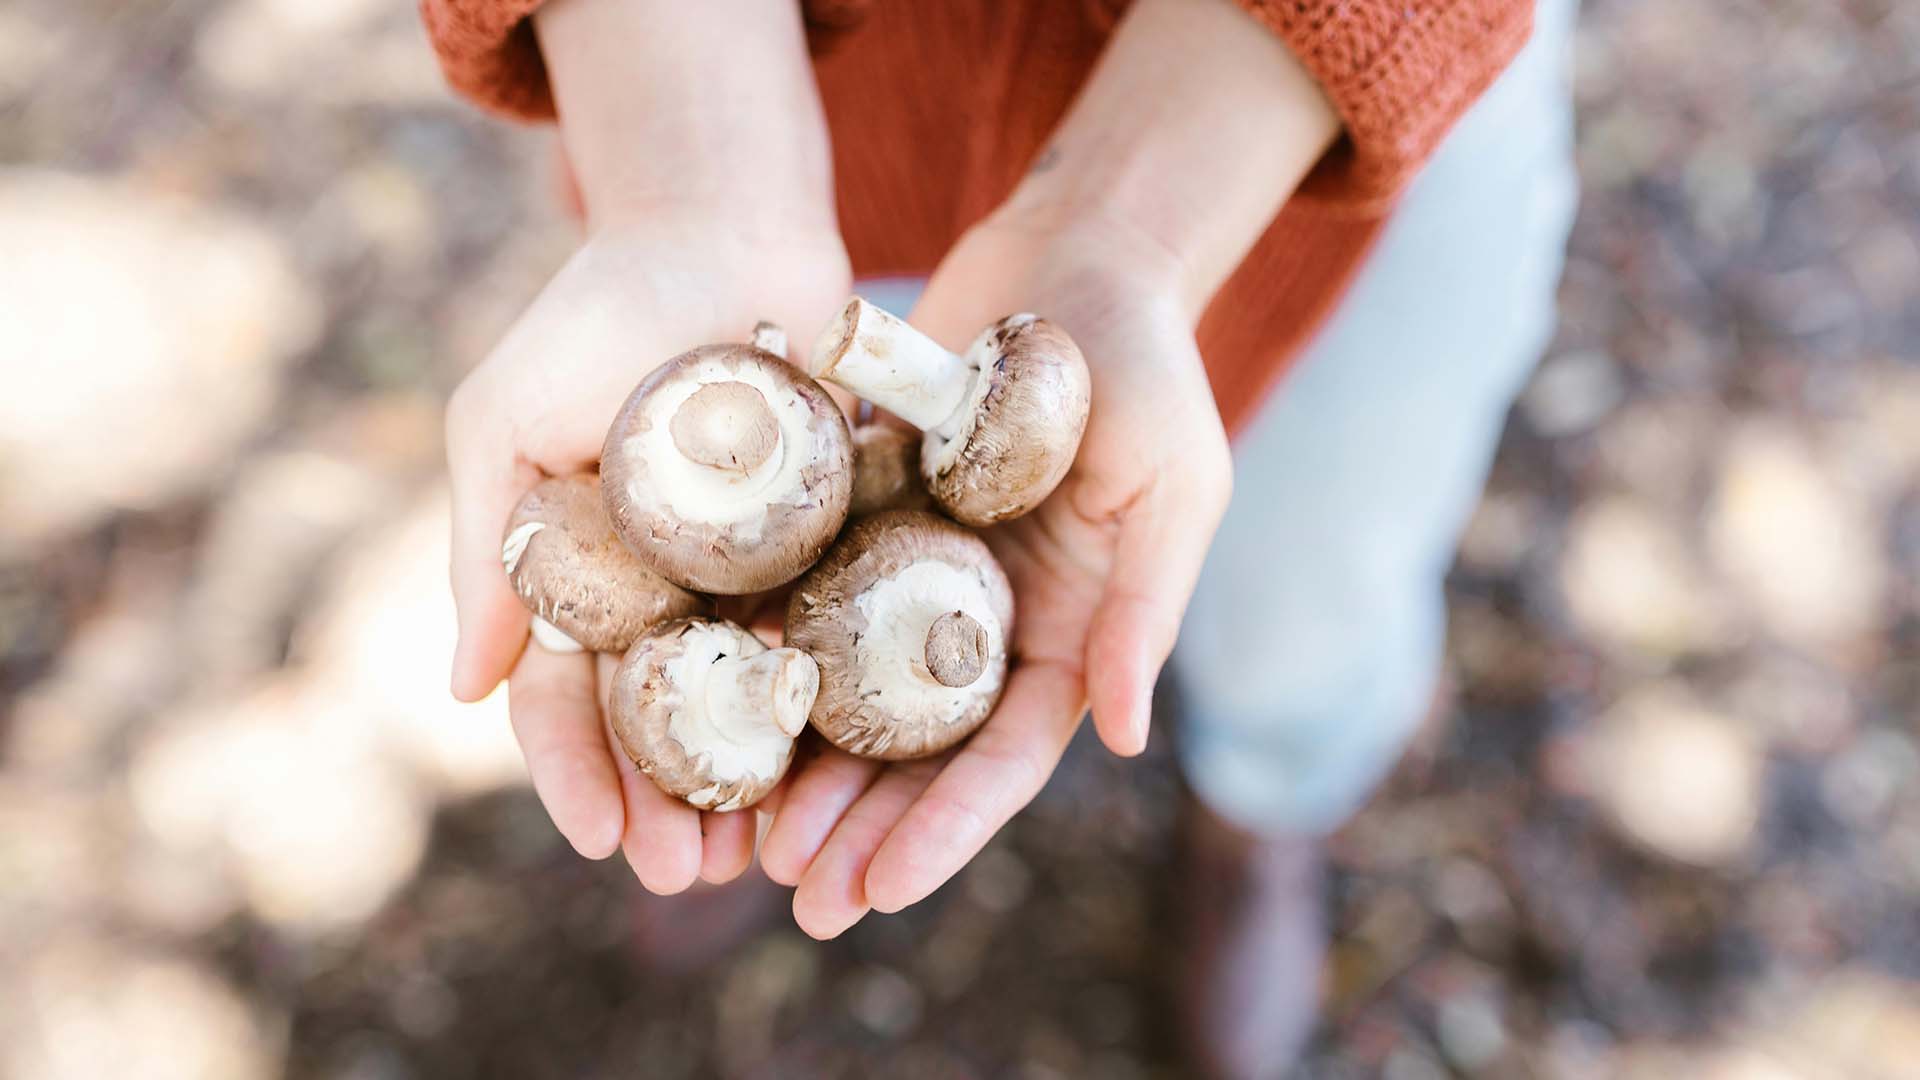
(1670, 826)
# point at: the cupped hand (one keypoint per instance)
(539, 405)
(1102, 572)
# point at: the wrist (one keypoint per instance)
(702, 252)
(1195, 128)
(1090, 242)
(706, 110)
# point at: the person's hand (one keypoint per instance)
(539, 405)
(1101, 572)
(711, 207)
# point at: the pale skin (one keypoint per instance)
(710, 208)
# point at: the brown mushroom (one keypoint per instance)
(1002, 422)
(908, 616)
(584, 588)
(728, 470)
(710, 713)
(886, 471)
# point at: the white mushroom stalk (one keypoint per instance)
(1002, 421)
(741, 704)
(930, 642)
(769, 337)
(709, 713)
(775, 687)
(552, 638)
(957, 649)
(881, 359)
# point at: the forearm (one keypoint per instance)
(701, 108)
(1194, 129)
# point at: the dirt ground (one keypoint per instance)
(1668, 824)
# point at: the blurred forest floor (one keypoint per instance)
(1670, 827)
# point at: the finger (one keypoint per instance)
(662, 842)
(551, 701)
(813, 803)
(1163, 542)
(485, 485)
(995, 774)
(726, 845)
(832, 893)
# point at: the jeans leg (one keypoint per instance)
(1312, 645)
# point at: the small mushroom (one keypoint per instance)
(709, 713)
(728, 470)
(886, 471)
(584, 588)
(1002, 422)
(908, 616)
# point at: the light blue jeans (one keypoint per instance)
(1312, 647)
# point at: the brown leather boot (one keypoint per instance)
(1252, 931)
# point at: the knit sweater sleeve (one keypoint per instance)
(1399, 73)
(489, 54)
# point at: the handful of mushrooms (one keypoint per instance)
(729, 471)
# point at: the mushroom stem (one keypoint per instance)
(726, 425)
(956, 651)
(777, 685)
(883, 360)
(768, 337)
(552, 638)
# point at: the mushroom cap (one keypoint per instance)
(875, 610)
(886, 471)
(713, 527)
(568, 568)
(1018, 435)
(661, 710)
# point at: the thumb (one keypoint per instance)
(485, 484)
(1163, 541)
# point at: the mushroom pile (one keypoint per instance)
(728, 472)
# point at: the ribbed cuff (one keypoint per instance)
(489, 54)
(1399, 72)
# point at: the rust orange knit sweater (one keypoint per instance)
(1003, 72)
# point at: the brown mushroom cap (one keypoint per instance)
(1007, 453)
(569, 569)
(903, 607)
(1002, 423)
(728, 470)
(886, 471)
(710, 713)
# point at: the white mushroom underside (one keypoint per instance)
(704, 720)
(941, 450)
(515, 544)
(667, 480)
(892, 654)
(552, 638)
